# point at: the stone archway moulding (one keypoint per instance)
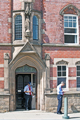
(30, 60)
(70, 8)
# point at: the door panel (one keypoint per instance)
(21, 81)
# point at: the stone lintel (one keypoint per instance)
(27, 1)
(60, 45)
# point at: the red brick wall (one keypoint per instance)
(54, 26)
(1, 72)
(53, 72)
(5, 36)
(53, 83)
(72, 83)
(61, 52)
(72, 72)
(1, 84)
(5, 13)
(38, 5)
(17, 4)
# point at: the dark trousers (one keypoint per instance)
(28, 100)
(59, 97)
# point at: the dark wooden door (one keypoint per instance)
(21, 81)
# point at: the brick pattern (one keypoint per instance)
(53, 72)
(1, 84)
(61, 52)
(37, 5)
(72, 72)
(72, 83)
(5, 13)
(53, 83)
(1, 72)
(54, 25)
(17, 4)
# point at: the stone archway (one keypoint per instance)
(35, 62)
(24, 75)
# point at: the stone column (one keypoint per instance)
(47, 60)
(42, 89)
(6, 72)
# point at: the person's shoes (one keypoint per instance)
(61, 112)
(26, 109)
(58, 113)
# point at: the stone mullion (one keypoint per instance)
(6, 72)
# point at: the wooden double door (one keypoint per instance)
(21, 81)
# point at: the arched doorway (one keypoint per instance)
(24, 75)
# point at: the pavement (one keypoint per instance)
(36, 115)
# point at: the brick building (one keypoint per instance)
(43, 47)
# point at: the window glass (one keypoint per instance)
(70, 38)
(78, 82)
(35, 28)
(78, 76)
(70, 29)
(18, 27)
(59, 68)
(61, 74)
(78, 67)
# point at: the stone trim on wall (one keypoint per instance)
(62, 62)
(70, 9)
(1, 65)
(1, 78)
(23, 28)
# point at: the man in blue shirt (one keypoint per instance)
(28, 96)
(59, 97)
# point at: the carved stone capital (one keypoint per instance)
(47, 57)
(6, 56)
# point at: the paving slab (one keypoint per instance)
(35, 115)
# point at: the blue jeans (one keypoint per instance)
(59, 97)
(28, 100)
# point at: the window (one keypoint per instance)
(70, 29)
(61, 75)
(18, 27)
(35, 28)
(78, 76)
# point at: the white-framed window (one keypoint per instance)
(78, 76)
(71, 29)
(62, 75)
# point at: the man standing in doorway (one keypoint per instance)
(59, 97)
(28, 96)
